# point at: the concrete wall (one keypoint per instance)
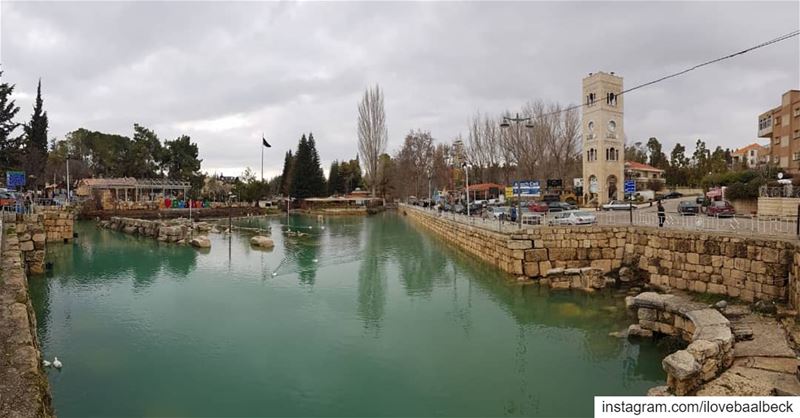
(745, 206)
(778, 206)
(746, 268)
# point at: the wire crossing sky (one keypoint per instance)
(224, 73)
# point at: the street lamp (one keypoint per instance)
(465, 166)
(505, 124)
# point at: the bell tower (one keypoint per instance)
(603, 138)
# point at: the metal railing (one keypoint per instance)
(785, 227)
(780, 191)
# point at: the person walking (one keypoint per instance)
(661, 215)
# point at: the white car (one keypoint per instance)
(617, 205)
(573, 217)
(498, 211)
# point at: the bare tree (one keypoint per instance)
(372, 133)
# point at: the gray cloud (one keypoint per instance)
(225, 72)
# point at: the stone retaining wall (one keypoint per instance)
(24, 390)
(34, 230)
(736, 266)
(173, 230)
(710, 351)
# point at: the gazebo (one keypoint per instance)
(485, 191)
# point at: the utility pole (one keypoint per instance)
(505, 124)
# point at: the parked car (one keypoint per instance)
(538, 207)
(617, 205)
(687, 207)
(721, 209)
(558, 206)
(7, 199)
(574, 217)
(499, 212)
(673, 195)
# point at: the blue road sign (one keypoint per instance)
(527, 188)
(630, 186)
(15, 179)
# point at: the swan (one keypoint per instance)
(46, 363)
(57, 364)
(315, 260)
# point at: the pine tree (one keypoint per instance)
(333, 178)
(35, 146)
(307, 177)
(318, 185)
(9, 145)
(285, 187)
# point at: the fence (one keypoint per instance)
(780, 191)
(751, 225)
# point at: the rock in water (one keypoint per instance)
(201, 241)
(721, 305)
(262, 241)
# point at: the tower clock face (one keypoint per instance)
(591, 126)
(612, 126)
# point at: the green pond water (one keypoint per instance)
(364, 317)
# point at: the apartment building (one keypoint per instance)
(751, 156)
(782, 126)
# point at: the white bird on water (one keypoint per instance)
(57, 364)
(46, 363)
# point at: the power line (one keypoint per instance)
(649, 83)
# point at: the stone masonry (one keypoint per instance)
(24, 389)
(736, 266)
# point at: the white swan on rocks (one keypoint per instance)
(57, 364)
(46, 363)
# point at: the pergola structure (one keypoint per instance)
(124, 188)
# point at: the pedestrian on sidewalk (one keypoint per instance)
(661, 215)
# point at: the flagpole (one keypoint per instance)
(262, 157)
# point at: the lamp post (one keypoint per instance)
(505, 125)
(466, 176)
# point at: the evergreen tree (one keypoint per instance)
(307, 176)
(9, 145)
(318, 183)
(285, 187)
(181, 163)
(35, 145)
(657, 157)
(333, 178)
(144, 155)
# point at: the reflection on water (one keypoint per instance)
(364, 316)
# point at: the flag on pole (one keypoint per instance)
(264, 142)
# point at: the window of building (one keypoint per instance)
(778, 121)
(796, 111)
(795, 156)
(797, 133)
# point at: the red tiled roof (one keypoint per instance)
(482, 187)
(743, 150)
(633, 165)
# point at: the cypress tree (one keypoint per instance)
(285, 187)
(9, 146)
(35, 148)
(333, 178)
(318, 186)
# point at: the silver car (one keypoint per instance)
(574, 217)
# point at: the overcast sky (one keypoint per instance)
(223, 73)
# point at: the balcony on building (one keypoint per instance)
(765, 125)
